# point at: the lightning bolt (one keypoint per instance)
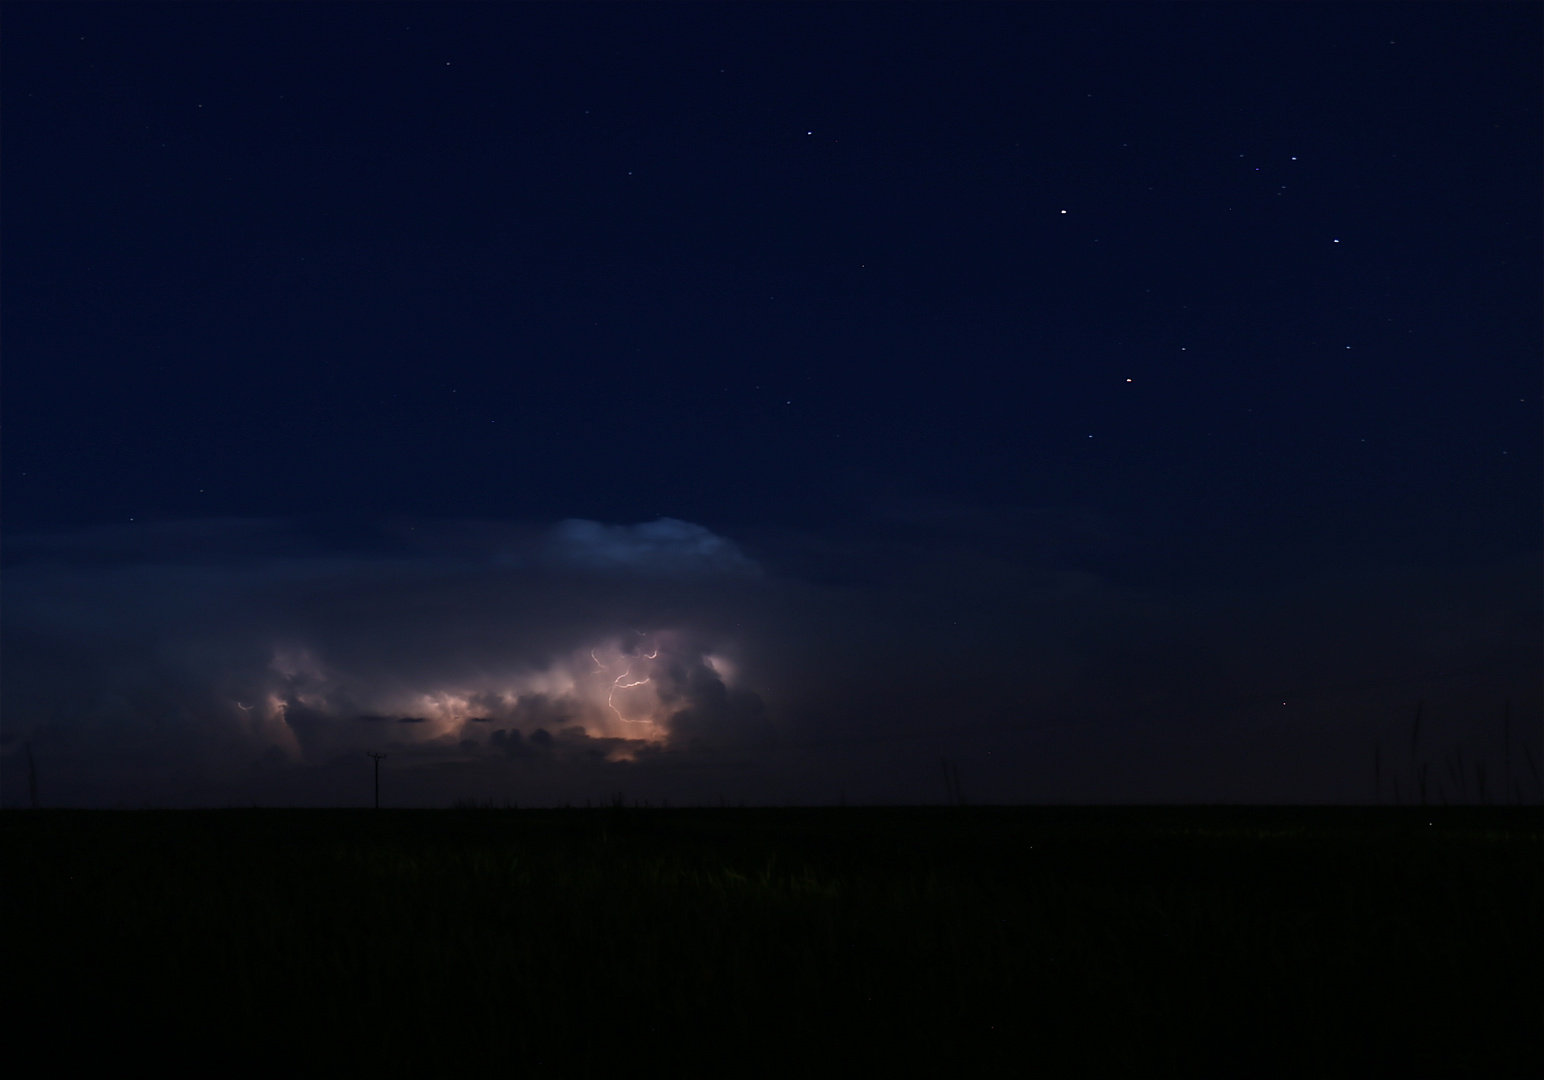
(618, 684)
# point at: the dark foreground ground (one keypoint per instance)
(613, 942)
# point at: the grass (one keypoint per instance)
(587, 942)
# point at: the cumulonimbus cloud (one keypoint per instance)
(200, 663)
(586, 641)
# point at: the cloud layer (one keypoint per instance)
(227, 662)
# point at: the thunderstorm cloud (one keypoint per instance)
(234, 661)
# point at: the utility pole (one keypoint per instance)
(952, 782)
(377, 758)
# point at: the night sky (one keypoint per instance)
(771, 403)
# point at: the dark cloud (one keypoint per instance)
(228, 661)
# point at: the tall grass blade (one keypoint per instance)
(32, 776)
(1506, 751)
(1532, 768)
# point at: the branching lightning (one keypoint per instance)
(618, 684)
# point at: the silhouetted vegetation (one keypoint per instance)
(580, 942)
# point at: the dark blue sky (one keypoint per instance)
(984, 333)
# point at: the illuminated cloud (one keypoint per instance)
(622, 694)
(261, 660)
(255, 641)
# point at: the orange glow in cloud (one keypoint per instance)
(612, 690)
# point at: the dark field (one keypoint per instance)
(732, 942)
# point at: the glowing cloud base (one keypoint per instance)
(622, 694)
